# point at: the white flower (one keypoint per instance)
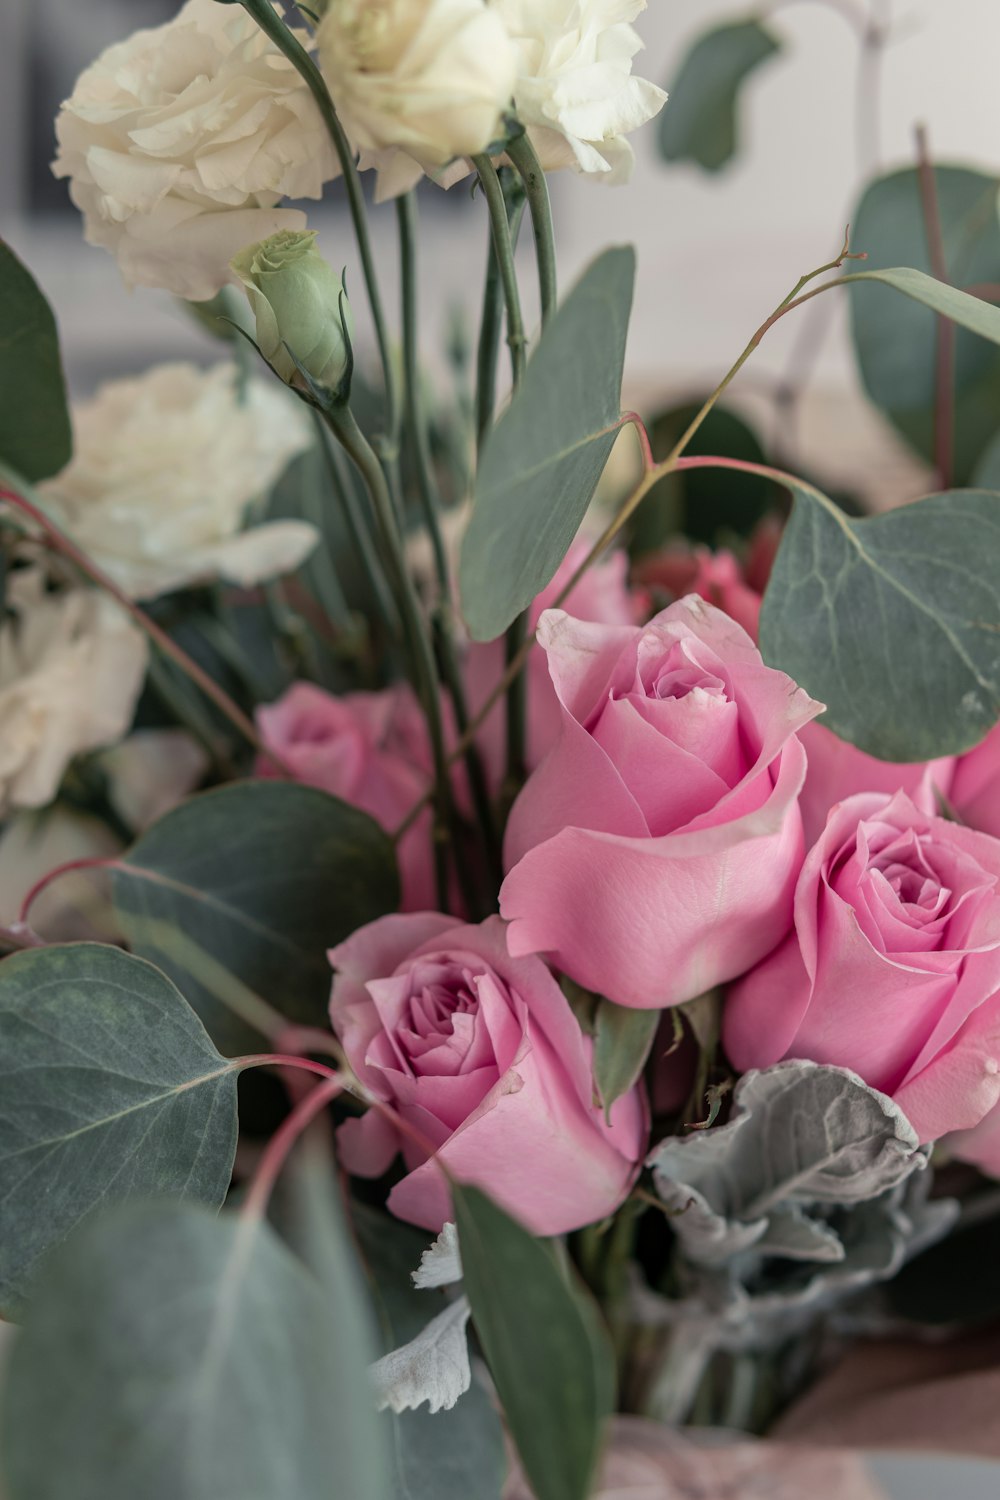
(417, 83)
(76, 905)
(180, 141)
(71, 668)
(575, 90)
(151, 772)
(165, 468)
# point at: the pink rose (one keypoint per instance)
(602, 594)
(481, 1054)
(893, 967)
(369, 749)
(654, 852)
(837, 770)
(975, 789)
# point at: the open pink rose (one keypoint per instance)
(975, 788)
(369, 749)
(602, 594)
(482, 1055)
(893, 967)
(654, 852)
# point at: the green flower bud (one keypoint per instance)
(297, 301)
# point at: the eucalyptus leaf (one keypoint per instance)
(176, 1354)
(699, 121)
(895, 342)
(550, 1357)
(802, 1134)
(542, 462)
(109, 1089)
(36, 436)
(264, 877)
(893, 621)
(622, 1042)
(451, 1455)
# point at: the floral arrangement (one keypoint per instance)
(487, 962)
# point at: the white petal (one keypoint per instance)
(441, 1264)
(433, 1367)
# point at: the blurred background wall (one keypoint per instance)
(715, 252)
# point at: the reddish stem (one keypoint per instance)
(97, 862)
(648, 461)
(60, 542)
(281, 1143)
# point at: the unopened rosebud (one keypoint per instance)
(302, 314)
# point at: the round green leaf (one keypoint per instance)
(175, 1355)
(263, 877)
(893, 621)
(699, 121)
(109, 1089)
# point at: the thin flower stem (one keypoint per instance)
(430, 502)
(346, 429)
(340, 483)
(273, 26)
(491, 322)
(944, 359)
(516, 690)
(98, 862)
(522, 153)
(503, 248)
(278, 1147)
(61, 543)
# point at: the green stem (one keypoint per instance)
(522, 153)
(343, 488)
(491, 323)
(273, 26)
(503, 248)
(346, 429)
(430, 505)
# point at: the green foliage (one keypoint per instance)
(109, 1090)
(175, 1354)
(543, 460)
(895, 342)
(893, 622)
(452, 1455)
(622, 1041)
(36, 438)
(710, 506)
(264, 877)
(698, 123)
(548, 1354)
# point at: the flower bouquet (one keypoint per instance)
(493, 975)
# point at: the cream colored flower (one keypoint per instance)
(165, 469)
(71, 669)
(74, 907)
(575, 90)
(417, 83)
(151, 772)
(180, 142)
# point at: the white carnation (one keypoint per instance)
(180, 141)
(575, 90)
(71, 668)
(166, 467)
(416, 83)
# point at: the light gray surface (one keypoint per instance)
(919, 1477)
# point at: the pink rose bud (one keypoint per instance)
(481, 1054)
(369, 749)
(975, 790)
(714, 576)
(654, 852)
(602, 594)
(893, 966)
